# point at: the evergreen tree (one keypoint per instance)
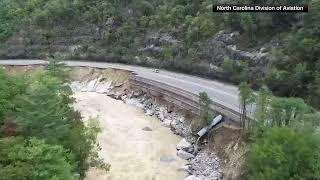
(205, 102)
(33, 159)
(246, 98)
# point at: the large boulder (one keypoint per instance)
(137, 93)
(115, 95)
(216, 51)
(181, 119)
(184, 145)
(161, 116)
(149, 112)
(103, 87)
(185, 155)
(166, 123)
(147, 129)
(226, 37)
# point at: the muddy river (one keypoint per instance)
(134, 153)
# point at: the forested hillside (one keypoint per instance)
(41, 135)
(277, 49)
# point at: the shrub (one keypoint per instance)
(285, 153)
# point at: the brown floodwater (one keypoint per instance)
(134, 154)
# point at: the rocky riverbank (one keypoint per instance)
(203, 165)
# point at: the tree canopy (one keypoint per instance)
(41, 135)
(118, 31)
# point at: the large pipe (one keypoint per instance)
(206, 129)
(214, 122)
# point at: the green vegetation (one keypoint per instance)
(205, 102)
(205, 113)
(285, 153)
(235, 71)
(33, 159)
(283, 131)
(246, 98)
(118, 30)
(41, 135)
(285, 142)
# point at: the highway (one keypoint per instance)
(219, 92)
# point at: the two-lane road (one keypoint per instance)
(222, 93)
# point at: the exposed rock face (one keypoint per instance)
(223, 44)
(154, 45)
(227, 38)
(94, 85)
(160, 39)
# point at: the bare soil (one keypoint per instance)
(230, 146)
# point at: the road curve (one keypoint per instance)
(222, 93)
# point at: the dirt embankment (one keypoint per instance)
(230, 146)
(16, 70)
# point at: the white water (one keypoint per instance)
(134, 154)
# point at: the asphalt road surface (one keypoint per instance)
(219, 92)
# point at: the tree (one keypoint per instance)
(248, 24)
(204, 102)
(42, 111)
(286, 111)
(33, 159)
(274, 111)
(246, 98)
(46, 17)
(45, 111)
(10, 14)
(262, 104)
(235, 71)
(297, 64)
(97, 12)
(285, 153)
(10, 87)
(57, 68)
(314, 91)
(199, 27)
(228, 65)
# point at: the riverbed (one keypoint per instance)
(136, 145)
